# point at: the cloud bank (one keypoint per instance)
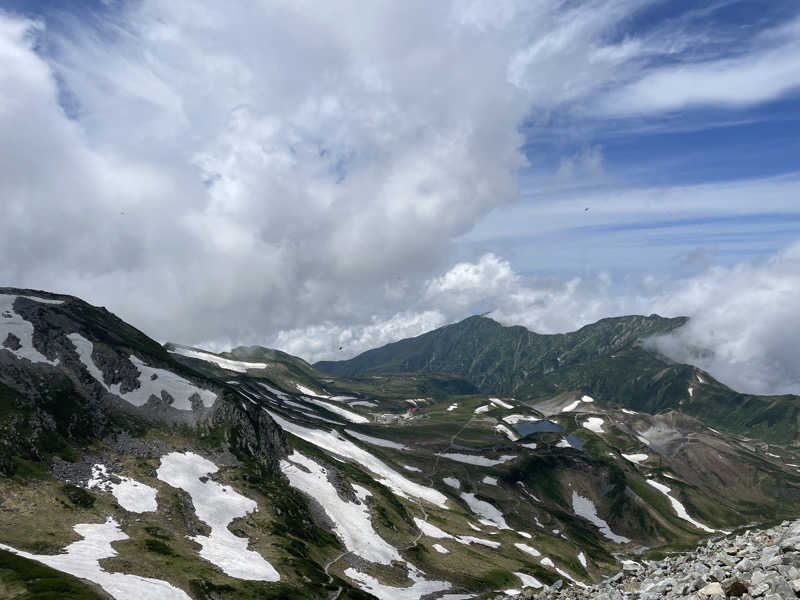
(302, 175)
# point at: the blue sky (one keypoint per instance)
(321, 175)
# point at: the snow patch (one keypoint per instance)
(500, 403)
(679, 508)
(489, 513)
(452, 407)
(528, 580)
(375, 441)
(635, 458)
(364, 403)
(333, 442)
(412, 469)
(338, 410)
(530, 445)
(528, 549)
(629, 412)
(572, 406)
(587, 399)
(82, 559)
(130, 494)
(12, 323)
(452, 482)
(482, 409)
(441, 549)
(582, 559)
(418, 589)
(480, 461)
(515, 418)
(594, 424)
(309, 392)
(152, 381)
(489, 480)
(352, 522)
(584, 507)
(216, 505)
(507, 432)
(237, 366)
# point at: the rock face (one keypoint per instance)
(757, 565)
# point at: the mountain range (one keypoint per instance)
(471, 460)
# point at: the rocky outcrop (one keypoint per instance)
(756, 565)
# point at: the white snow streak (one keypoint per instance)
(237, 366)
(679, 508)
(82, 559)
(507, 432)
(130, 494)
(338, 410)
(216, 505)
(375, 441)
(634, 458)
(584, 507)
(489, 513)
(333, 442)
(480, 461)
(13, 323)
(152, 381)
(594, 424)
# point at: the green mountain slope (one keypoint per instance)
(605, 359)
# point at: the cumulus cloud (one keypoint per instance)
(298, 174)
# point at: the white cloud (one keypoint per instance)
(769, 71)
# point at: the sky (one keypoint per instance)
(327, 177)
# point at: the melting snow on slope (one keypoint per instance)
(452, 407)
(216, 505)
(352, 522)
(364, 403)
(419, 588)
(679, 508)
(489, 480)
(274, 391)
(584, 507)
(152, 382)
(430, 530)
(130, 494)
(12, 323)
(500, 403)
(514, 419)
(412, 469)
(594, 424)
(441, 549)
(309, 392)
(634, 458)
(333, 442)
(574, 405)
(690, 389)
(338, 410)
(375, 441)
(629, 412)
(587, 399)
(482, 409)
(452, 482)
(489, 513)
(82, 559)
(528, 580)
(582, 559)
(507, 432)
(528, 549)
(237, 366)
(480, 461)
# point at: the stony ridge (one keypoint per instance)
(757, 565)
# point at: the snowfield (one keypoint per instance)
(333, 442)
(482, 409)
(375, 441)
(480, 461)
(82, 559)
(130, 494)
(514, 419)
(12, 323)
(338, 410)
(634, 458)
(237, 366)
(309, 392)
(452, 482)
(679, 508)
(352, 522)
(594, 424)
(507, 432)
(500, 403)
(584, 507)
(489, 514)
(430, 530)
(528, 549)
(152, 381)
(421, 586)
(216, 505)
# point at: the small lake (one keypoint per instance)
(526, 428)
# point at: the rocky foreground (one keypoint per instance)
(763, 565)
